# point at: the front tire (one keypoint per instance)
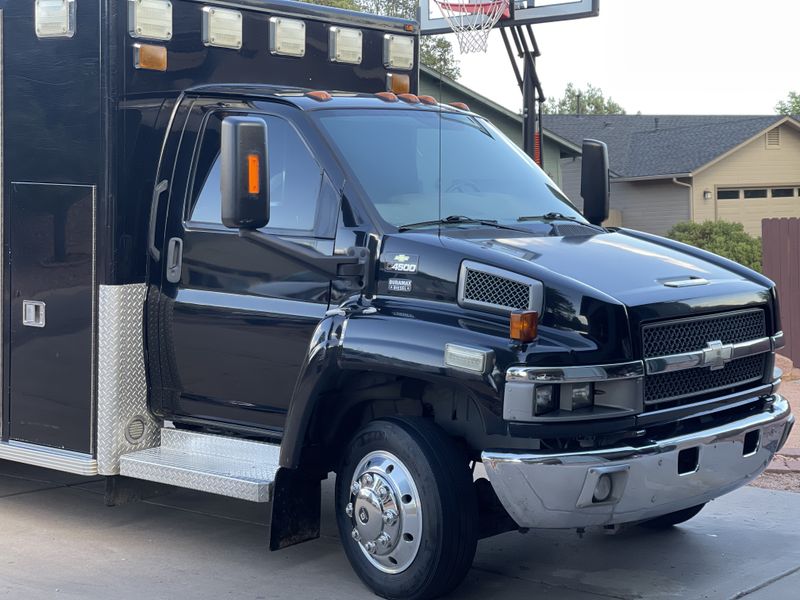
(406, 509)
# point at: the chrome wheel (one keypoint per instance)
(385, 512)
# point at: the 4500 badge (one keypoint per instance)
(400, 263)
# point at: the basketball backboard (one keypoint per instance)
(521, 12)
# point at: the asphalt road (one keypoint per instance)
(60, 541)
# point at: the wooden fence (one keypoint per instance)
(781, 242)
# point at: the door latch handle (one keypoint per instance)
(33, 313)
(174, 259)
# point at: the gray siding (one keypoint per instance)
(653, 206)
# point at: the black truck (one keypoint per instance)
(240, 253)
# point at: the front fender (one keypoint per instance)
(387, 342)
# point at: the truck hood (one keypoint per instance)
(634, 271)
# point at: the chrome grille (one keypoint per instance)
(690, 335)
(486, 288)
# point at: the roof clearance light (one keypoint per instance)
(398, 51)
(222, 28)
(346, 45)
(149, 57)
(287, 37)
(55, 18)
(150, 19)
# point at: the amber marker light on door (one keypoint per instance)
(253, 174)
(524, 326)
(152, 58)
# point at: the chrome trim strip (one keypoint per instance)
(49, 458)
(693, 360)
(587, 374)
(778, 341)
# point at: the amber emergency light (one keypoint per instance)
(150, 57)
(398, 84)
(524, 326)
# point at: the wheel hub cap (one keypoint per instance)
(385, 512)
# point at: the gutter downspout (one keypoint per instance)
(691, 196)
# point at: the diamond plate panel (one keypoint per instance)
(121, 380)
(207, 463)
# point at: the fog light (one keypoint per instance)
(602, 490)
(582, 396)
(544, 399)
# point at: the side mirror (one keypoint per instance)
(595, 183)
(244, 180)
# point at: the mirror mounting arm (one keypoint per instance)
(351, 267)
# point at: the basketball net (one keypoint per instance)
(472, 21)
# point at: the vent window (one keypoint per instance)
(774, 138)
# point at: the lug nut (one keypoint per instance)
(349, 510)
(383, 493)
(356, 535)
(368, 479)
(390, 517)
(371, 547)
(384, 539)
(355, 488)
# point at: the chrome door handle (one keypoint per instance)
(33, 313)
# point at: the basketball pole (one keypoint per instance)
(526, 48)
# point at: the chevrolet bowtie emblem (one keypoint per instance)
(402, 258)
(717, 355)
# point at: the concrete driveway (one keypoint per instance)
(60, 541)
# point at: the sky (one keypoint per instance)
(661, 56)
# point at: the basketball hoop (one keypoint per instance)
(472, 20)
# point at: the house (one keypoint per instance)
(446, 90)
(669, 169)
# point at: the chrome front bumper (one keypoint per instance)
(556, 491)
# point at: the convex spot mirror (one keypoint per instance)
(244, 180)
(595, 183)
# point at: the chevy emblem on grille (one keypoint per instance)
(717, 355)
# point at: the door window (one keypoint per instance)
(295, 178)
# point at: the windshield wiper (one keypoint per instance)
(451, 220)
(551, 216)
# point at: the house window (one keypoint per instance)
(751, 194)
(782, 192)
(774, 138)
(727, 194)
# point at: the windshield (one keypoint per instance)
(418, 166)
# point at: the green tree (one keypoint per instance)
(721, 237)
(589, 101)
(436, 52)
(790, 106)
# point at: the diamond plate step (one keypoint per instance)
(208, 463)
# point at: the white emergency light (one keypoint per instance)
(222, 28)
(54, 18)
(150, 19)
(287, 37)
(346, 45)
(398, 52)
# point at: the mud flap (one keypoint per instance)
(296, 508)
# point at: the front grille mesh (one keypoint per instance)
(678, 385)
(691, 335)
(498, 291)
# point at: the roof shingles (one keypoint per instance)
(652, 146)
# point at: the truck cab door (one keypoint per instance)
(236, 319)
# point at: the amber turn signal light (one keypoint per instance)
(152, 58)
(253, 174)
(524, 326)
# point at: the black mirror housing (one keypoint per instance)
(244, 179)
(595, 182)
